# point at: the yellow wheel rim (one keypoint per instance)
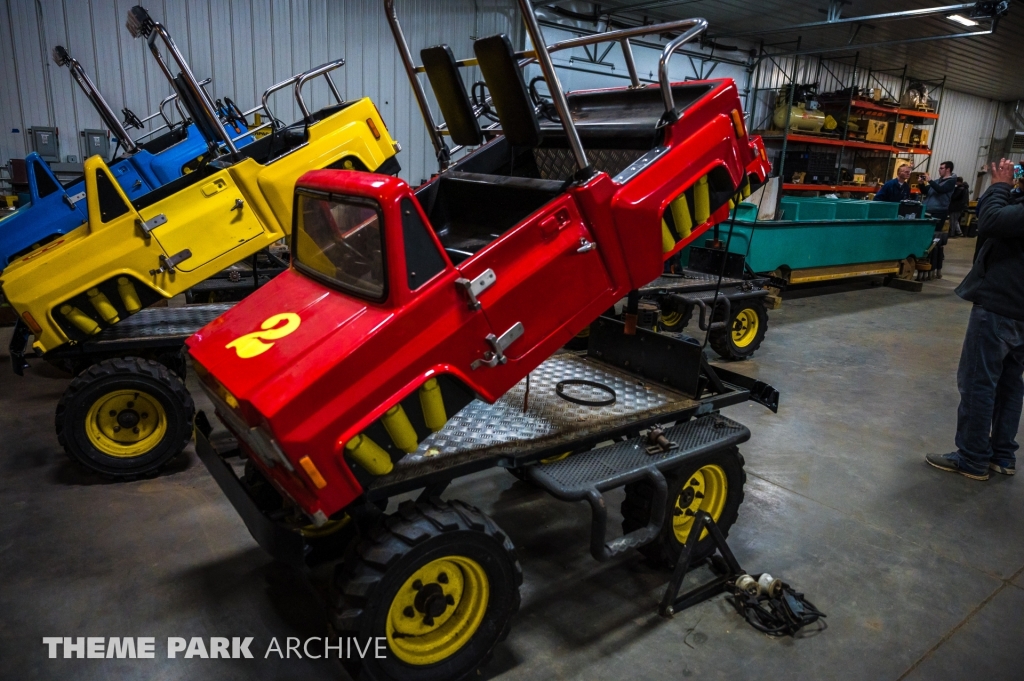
(126, 423)
(437, 610)
(672, 318)
(706, 491)
(744, 327)
(585, 333)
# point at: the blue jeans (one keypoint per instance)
(991, 384)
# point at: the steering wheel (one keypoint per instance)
(547, 108)
(233, 112)
(131, 120)
(478, 97)
(230, 114)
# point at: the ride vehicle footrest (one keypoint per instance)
(613, 466)
(586, 475)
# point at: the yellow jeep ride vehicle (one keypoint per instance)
(128, 414)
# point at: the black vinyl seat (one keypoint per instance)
(450, 90)
(468, 211)
(509, 95)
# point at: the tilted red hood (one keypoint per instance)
(272, 343)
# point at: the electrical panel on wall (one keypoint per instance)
(95, 142)
(44, 142)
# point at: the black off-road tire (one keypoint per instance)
(723, 342)
(673, 320)
(366, 584)
(580, 341)
(124, 374)
(636, 507)
(327, 543)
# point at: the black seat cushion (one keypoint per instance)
(505, 82)
(450, 90)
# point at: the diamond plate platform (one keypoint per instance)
(559, 164)
(164, 322)
(505, 429)
(688, 279)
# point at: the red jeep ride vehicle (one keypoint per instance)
(416, 339)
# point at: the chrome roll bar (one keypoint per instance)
(62, 58)
(541, 54)
(322, 70)
(691, 29)
(299, 80)
(547, 67)
(168, 124)
(140, 24)
(699, 26)
(440, 148)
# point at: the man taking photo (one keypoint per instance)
(937, 194)
(991, 373)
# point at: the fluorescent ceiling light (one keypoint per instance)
(961, 19)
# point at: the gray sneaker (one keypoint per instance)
(1004, 468)
(951, 462)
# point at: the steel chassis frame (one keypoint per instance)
(284, 543)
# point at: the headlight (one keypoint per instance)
(257, 438)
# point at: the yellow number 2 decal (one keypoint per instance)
(252, 344)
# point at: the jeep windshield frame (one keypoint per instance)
(300, 235)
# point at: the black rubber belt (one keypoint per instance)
(559, 390)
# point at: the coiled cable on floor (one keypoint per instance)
(783, 614)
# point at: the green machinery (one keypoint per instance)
(820, 239)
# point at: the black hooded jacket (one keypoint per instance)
(996, 282)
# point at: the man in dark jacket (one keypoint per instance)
(897, 189)
(937, 194)
(991, 373)
(958, 204)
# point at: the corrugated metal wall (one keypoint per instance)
(962, 136)
(245, 45)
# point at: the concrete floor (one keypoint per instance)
(921, 572)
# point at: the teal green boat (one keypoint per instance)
(821, 239)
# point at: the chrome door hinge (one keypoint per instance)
(477, 286)
(149, 225)
(496, 355)
(168, 264)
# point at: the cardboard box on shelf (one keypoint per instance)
(877, 130)
(902, 132)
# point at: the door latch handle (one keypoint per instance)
(138, 183)
(586, 246)
(496, 355)
(239, 204)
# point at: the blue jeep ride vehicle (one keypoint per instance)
(54, 209)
